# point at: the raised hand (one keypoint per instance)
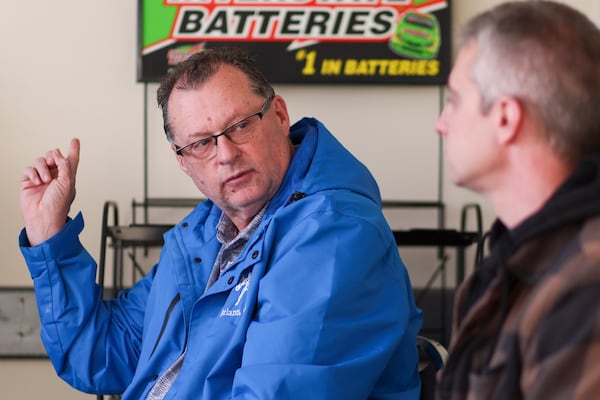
(47, 191)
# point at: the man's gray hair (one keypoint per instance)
(547, 55)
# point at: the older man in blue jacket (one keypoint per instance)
(285, 284)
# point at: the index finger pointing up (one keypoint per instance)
(73, 155)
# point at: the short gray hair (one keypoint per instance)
(547, 55)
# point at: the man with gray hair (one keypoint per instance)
(522, 128)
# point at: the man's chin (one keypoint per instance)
(459, 182)
(249, 201)
(453, 177)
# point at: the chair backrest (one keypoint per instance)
(432, 356)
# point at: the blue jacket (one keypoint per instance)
(317, 306)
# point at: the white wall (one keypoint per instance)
(68, 69)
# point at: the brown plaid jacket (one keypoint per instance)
(527, 322)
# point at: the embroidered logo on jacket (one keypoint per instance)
(241, 289)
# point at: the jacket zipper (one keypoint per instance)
(174, 302)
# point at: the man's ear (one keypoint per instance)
(281, 112)
(509, 118)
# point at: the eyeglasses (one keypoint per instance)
(239, 132)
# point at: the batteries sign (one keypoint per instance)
(304, 41)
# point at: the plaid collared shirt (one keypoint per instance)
(232, 243)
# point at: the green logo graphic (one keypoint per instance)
(417, 36)
(157, 21)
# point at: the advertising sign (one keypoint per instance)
(304, 41)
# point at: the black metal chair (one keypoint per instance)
(432, 356)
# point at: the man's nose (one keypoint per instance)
(440, 124)
(226, 149)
